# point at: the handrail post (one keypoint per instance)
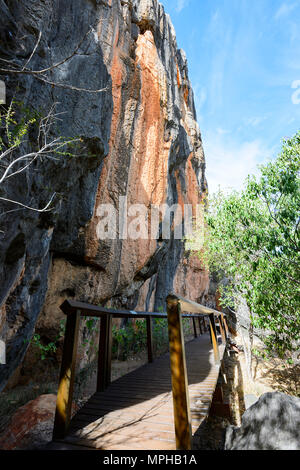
(67, 375)
(104, 354)
(149, 339)
(214, 337)
(204, 324)
(194, 326)
(200, 326)
(225, 325)
(182, 414)
(222, 330)
(209, 330)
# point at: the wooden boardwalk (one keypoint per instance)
(136, 411)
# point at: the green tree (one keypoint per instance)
(252, 240)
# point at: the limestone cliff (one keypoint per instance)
(148, 148)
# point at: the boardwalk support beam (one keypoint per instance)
(182, 417)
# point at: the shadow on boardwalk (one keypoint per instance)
(136, 411)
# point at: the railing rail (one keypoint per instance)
(175, 306)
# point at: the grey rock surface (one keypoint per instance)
(272, 423)
(26, 236)
(46, 258)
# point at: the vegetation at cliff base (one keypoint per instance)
(252, 241)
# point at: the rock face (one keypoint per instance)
(31, 425)
(148, 148)
(272, 423)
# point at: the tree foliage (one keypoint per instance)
(252, 240)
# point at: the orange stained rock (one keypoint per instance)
(186, 95)
(192, 194)
(149, 163)
(137, 142)
(178, 76)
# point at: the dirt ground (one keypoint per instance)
(268, 375)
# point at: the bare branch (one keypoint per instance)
(33, 52)
(39, 74)
(67, 87)
(45, 209)
(44, 148)
(66, 58)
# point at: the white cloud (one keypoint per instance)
(181, 4)
(284, 10)
(222, 131)
(228, 163)
(219, 38)
(255, 121)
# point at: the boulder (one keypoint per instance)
(31, 426)
(272, 423)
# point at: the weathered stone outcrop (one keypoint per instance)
(31, 426)
(272, 423)
(148, 148)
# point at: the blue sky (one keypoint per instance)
(244, 60)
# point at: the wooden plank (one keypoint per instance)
(141, 404)
(67, 375)
(84, 422)
(182, 418)
(85, 425)
(113, 442)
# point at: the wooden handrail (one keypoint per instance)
(193, 307)
(88, 310)
(175, 305)
(182, 417)
(181, 405)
